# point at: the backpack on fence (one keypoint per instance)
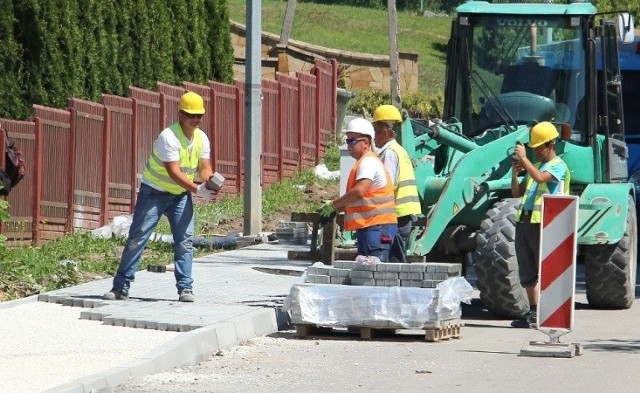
(14, 166)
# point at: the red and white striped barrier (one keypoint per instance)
(557, 261)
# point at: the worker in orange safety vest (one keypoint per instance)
(369, 200)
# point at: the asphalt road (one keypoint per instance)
(486, 359)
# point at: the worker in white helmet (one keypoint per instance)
(369, 200)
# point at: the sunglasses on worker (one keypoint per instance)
(354, 141)
(192, 115)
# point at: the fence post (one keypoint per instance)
(163, 110)
(106, 170)
(300, 124)
(71, 180)
(239, 137)
(37, 183)
(134, 150)
(281, 123)
(318, 114)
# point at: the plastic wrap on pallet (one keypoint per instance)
(344, 305)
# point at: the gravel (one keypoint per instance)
(44, 345)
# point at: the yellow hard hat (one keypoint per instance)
(387, 113)
(542, 132)
(192, 103)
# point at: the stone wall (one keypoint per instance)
(362, 70)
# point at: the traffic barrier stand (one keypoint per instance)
(557, 275)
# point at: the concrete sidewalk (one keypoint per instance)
(95, 345)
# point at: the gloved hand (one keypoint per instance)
(204, 192)
(327, 209)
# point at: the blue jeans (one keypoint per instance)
(376, 240)
(150, 207)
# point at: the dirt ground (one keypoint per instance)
(314, 195)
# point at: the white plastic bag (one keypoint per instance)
(367, 260)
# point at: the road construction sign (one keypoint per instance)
(557, 271)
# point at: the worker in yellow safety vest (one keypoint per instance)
(549, 175)
(368, 203)
(386, 121)
(181, 151)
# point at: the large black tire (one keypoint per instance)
(610, 269)
(496, 264)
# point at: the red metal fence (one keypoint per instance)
(84, 163)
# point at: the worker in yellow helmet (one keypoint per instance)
(181, 151)
(549, 175)
(386, 120)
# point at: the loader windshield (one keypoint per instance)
(520, 70)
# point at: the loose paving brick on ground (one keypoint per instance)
(225, 286)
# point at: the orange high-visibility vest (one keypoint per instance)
(377, 205)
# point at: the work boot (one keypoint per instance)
(187, 296)
(115, 294)
(527, 321)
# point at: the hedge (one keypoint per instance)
(54, 50)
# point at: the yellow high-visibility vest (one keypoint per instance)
(536, 213)
(154, 171)
(407, 200)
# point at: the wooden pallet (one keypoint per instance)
(443, 333)
(431, 334)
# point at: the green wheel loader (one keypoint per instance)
(510, 65)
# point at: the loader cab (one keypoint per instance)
(512, 65)
(511, 70)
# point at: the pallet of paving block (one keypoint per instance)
(433, 332)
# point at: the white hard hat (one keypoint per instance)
(361, 126)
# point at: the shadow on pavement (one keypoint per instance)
(141, 299)
(609, 345)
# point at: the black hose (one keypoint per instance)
(223, 242)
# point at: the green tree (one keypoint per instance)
(120, 47)
(219, 38)
(11, 100)
(150, 36)
(161, 50)
(190, 42)
(632, 6)
(52, 58)
(53, 50)
(94, 56)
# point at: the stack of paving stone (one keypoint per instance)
(378, 307)
(292, 232)
(416, 275)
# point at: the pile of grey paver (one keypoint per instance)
(379, 295)
(292, 232)
(415, 275)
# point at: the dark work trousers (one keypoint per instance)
(398, 250)
(527, 245)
